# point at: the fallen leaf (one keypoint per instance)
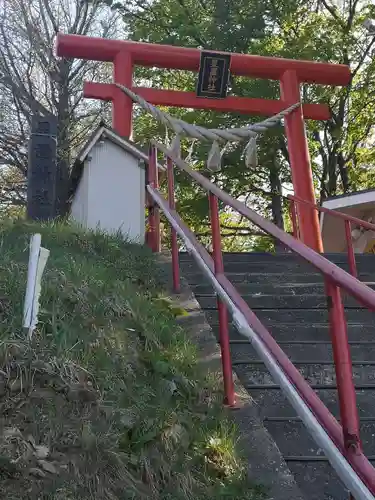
(41, 451)
(47, 466)
(12, 432)
(171, 386)
(36, 472)
(31, 440)
(57, 456)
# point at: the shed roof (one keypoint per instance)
(105, 132)
(100, 133)
(349, 199)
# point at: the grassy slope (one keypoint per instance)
(107, 402)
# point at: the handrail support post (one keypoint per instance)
(350, 249)
(346, 436)
(153, 210)
(343, 368)
(222, 308)
(174, 245)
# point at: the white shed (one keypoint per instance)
(108, 185)
(360, 204)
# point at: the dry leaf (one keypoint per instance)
(31, 440)
(36, 472)
(47, 466)
(11, 432)
(41, 451)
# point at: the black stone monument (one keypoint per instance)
(42, 168)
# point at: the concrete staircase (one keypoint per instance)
(288, 297)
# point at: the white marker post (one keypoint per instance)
(37, 262)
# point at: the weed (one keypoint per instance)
(107, 401)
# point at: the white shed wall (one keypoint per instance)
(115, 194)
(80, 201)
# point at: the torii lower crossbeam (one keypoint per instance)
(181, 99)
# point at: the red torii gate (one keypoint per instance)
(291, 73)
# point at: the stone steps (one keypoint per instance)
(287, 295)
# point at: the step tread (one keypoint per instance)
(303, 342)
(273, 403)
(294, 439)
(325, 387)
(238, 362)
(287, 295)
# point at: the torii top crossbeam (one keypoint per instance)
(172, 57)
(291, 73)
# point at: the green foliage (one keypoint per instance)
(171, 307)
(217, 25)
(110, 390)
(342, 149)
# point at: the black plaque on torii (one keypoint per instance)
(213, 77)
(42, 168)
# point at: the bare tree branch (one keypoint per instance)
(33, 80)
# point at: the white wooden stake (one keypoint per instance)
(42, 261)
(37, 261)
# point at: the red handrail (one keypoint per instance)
(348, 221)
(364, 294)
(334, 213)
(346, 435)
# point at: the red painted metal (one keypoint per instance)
(309, 230)
(343, 367)
(337, 275)
(290, 72)
(102, 91)
(358, 290)
(122, 105)
(221, 307)
(359, 462)
(174, 245)
(293, 218)
(173, 57)
(348, 221)
(245, 105)
(350, 249)
(150, 204)
(154, 212)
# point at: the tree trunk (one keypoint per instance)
(63, 143)
(343, 169)
(276, 202)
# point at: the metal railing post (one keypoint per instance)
(350, 249)
(153, 210)
(222, 309)
(343, 368)
(172, 206)
(342, 440)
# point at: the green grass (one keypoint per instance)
(108, 401)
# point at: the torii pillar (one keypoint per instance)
(289, 72)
